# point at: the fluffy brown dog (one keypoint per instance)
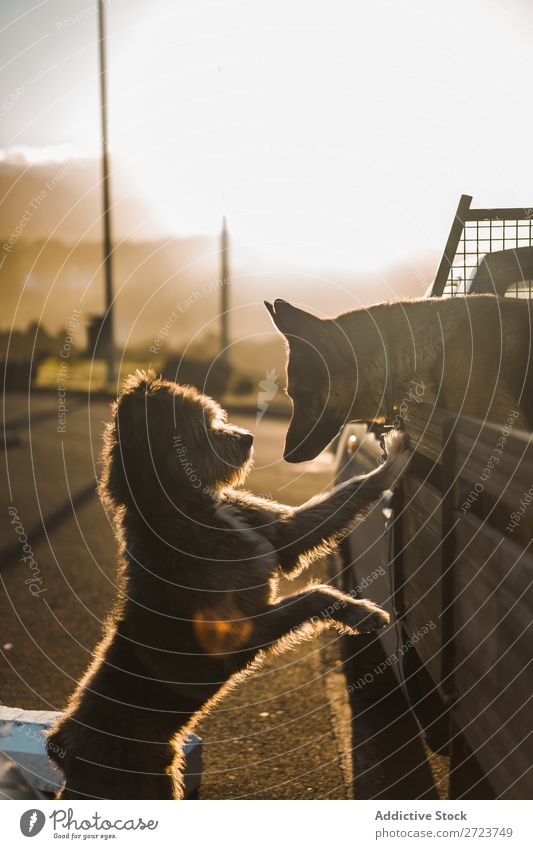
(198, 601)
(471, 355)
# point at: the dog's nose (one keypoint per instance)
(299, 454)
(248, 439)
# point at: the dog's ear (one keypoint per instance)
(139, 382)
(291, 320)
(271, 311)
(132, 410)
(133, 399)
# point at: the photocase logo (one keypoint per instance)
(267, 391)
(32, 822)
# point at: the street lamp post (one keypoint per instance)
(107, 326)
(224, 293)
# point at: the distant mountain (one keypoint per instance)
(63, 200)
(167, 290)
(153, 281)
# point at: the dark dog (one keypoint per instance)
(468, 354)
(198, 601)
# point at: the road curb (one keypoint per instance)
(22, 738)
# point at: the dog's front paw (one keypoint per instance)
(363, 616)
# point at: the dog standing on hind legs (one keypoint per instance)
(197, 604)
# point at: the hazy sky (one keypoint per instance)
(334, 133)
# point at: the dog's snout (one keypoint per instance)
(296, 456)
(247, 439)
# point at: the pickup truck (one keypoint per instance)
(451, 557)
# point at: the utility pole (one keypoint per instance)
(107, 326)
(224, 292)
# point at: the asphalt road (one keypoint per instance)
(284, 734)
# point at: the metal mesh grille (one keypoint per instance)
(483, 237)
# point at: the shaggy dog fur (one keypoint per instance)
(198, 600)
(471, 355)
